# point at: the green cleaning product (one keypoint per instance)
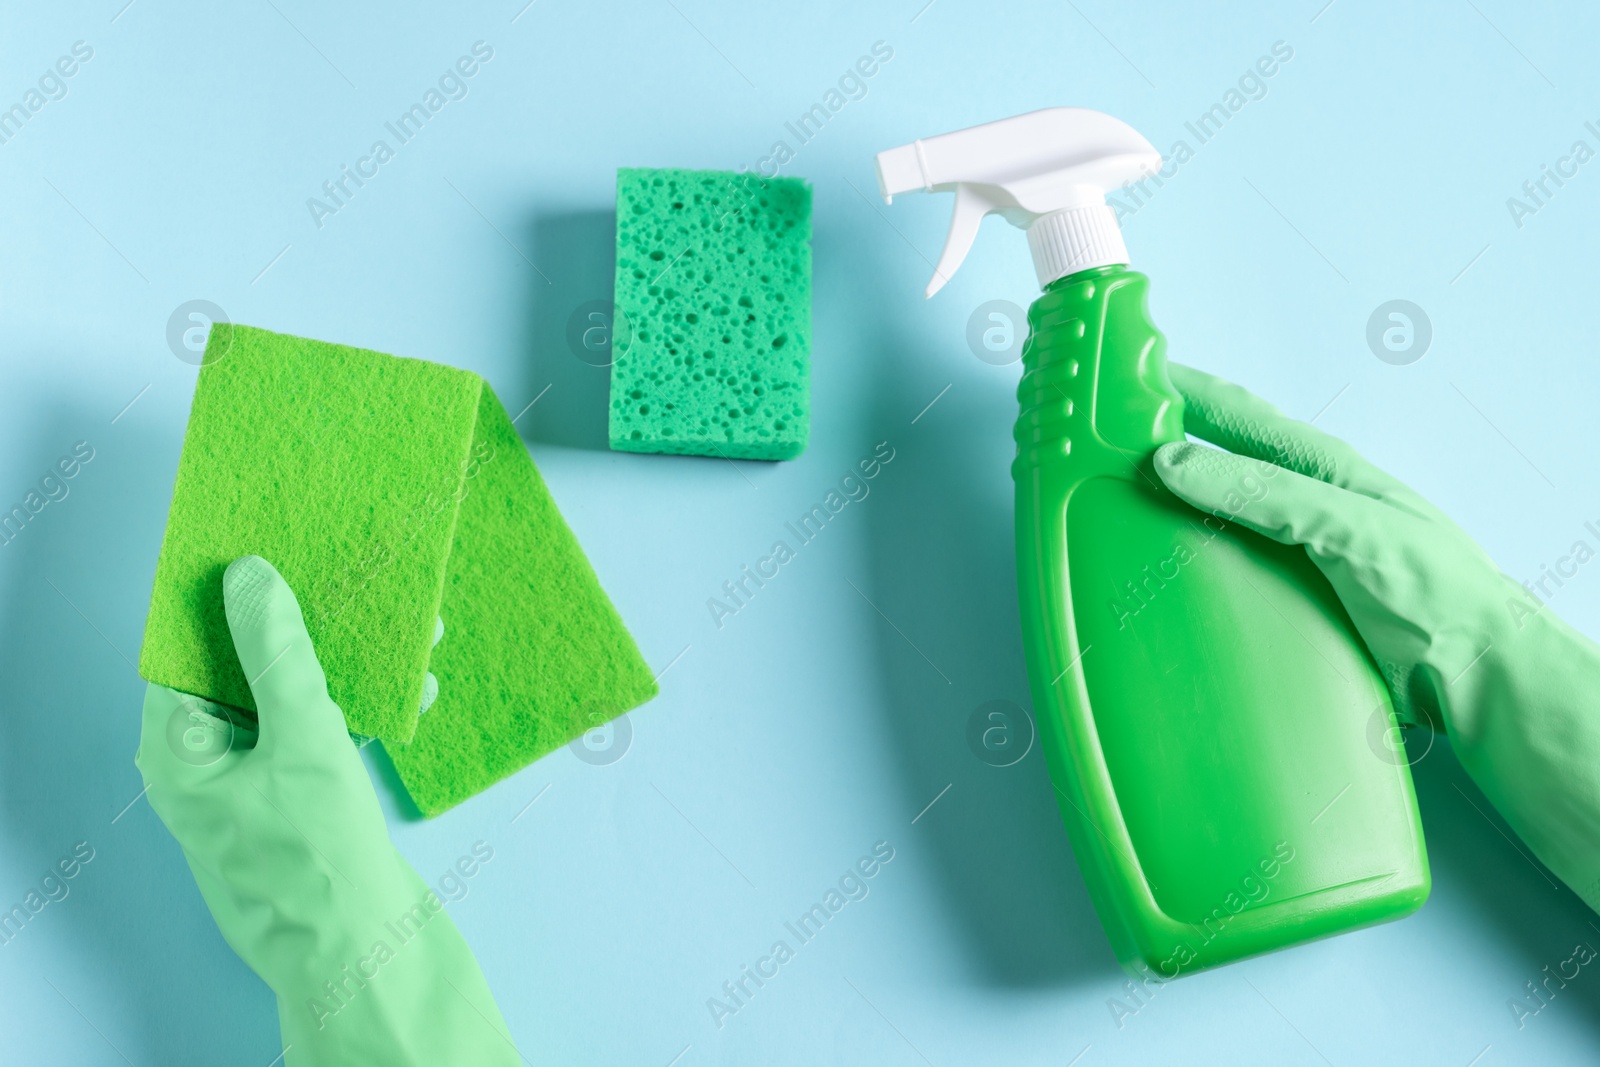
(1212, 721)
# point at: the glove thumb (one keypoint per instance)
(275, 652)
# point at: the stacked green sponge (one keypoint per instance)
(389, 493)
(713, 294)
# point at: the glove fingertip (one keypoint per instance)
(247, 587)
(1186, 462)
(1175, 454)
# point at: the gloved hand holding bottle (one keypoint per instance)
(1461, 646)
(283, 832)
(1161, 700)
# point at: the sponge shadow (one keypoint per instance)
(132, 941)
(400, 805)
(569, 329)
(941, 568)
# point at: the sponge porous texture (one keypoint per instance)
(389, 493)
(713, 293)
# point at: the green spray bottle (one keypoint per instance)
(1216, 732)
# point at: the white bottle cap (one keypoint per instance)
(1046, 172)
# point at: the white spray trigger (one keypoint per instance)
(1046, 172)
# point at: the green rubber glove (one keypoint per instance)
(283, 832)
(1462, 647)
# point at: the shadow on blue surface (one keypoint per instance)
(567, 315)
(1476, 856)
(132, 945)
(388, 779)
(942, 571)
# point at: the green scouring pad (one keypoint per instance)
(713, 293)
(389, 493)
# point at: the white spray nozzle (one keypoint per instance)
(1046, 172)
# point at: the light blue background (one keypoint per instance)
(807, 728)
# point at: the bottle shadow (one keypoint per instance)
(942, 583)
(1476, 856)
(568, 331)
(78, 579)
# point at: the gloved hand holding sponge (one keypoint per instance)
(397, 494)
(392, 492)
(1461, 645)
(282, 829)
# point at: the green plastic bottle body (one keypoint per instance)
(1216, 731)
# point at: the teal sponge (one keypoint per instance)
(389, 493)
(713, 293)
